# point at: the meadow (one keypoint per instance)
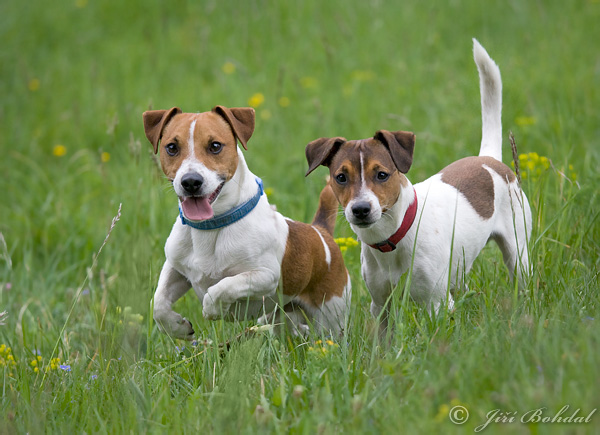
(79, 351)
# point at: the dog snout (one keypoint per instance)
(192, 183)
(361, 210)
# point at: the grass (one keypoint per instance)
(79, 74)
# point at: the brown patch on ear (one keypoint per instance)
(401, 145)
(321, 151)
(155, 122)
(241, 120)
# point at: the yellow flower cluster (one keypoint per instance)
(322, 347)
(256, 100)
(129, 316)
(345, 243)
(532, 165)
(7, 360)
(54, 364)
(35, 363)
(524, 121)
(59, 150)
(228, 68)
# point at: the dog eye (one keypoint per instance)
(382, 176)
(172, 149)
(341, 178)
(215, 147)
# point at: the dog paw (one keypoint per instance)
(212, 310)
(175, 326)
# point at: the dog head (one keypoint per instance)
(367, 175)
(198, 152)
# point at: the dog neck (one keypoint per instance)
(238, 197)
(239, 189)
(390, 221)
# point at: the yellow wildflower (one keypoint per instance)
(228, 68)
(524, 121)
(81, 3)
(34, 85)
(442, 413)
(308, 82)
(265, 114)
(104, 157)
(59, 150)
(284, 101)
(269, 192)
(256, 100)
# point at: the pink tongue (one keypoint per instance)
(197, 209)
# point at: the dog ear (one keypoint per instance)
(321, 151)
(401, 145)
(155, 122)
(241, 120)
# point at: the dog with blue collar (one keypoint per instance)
(242, 258)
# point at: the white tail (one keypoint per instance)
(490, 85)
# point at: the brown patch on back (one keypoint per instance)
(471, 179)
(375, 158)
(209, 128)
(304, 271)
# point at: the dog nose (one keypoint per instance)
(192, 183)
(361, 209)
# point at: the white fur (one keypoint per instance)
(325, 248)
(234, 270)
(448, 234)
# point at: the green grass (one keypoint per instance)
(79, 74)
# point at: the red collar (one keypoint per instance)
(409, 217)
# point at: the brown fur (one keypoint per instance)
(327, 210)
(471, 179)
(210, 127)
(304, 271)
(376, 158)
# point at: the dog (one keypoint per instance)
(242, 258)
(435, 228)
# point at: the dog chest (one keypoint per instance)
(206, 257)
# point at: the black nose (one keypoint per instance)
(361, 209)
(192, 183)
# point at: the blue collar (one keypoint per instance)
(227, 218)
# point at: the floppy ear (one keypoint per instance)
(401, 145)
(155, 122)
(241, 120)
(321, 151)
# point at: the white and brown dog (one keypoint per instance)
(440, 225)
(242, 258)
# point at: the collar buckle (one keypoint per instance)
(385, 246)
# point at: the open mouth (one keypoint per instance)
(199, 208)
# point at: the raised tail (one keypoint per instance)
(490, 85)
(327, 211)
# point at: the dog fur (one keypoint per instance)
(458, 210)
(255, 265)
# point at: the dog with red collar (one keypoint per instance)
(437, 227)
(241, 257)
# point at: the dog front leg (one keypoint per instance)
(380, 289)
(253, 284)
(171, 286)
